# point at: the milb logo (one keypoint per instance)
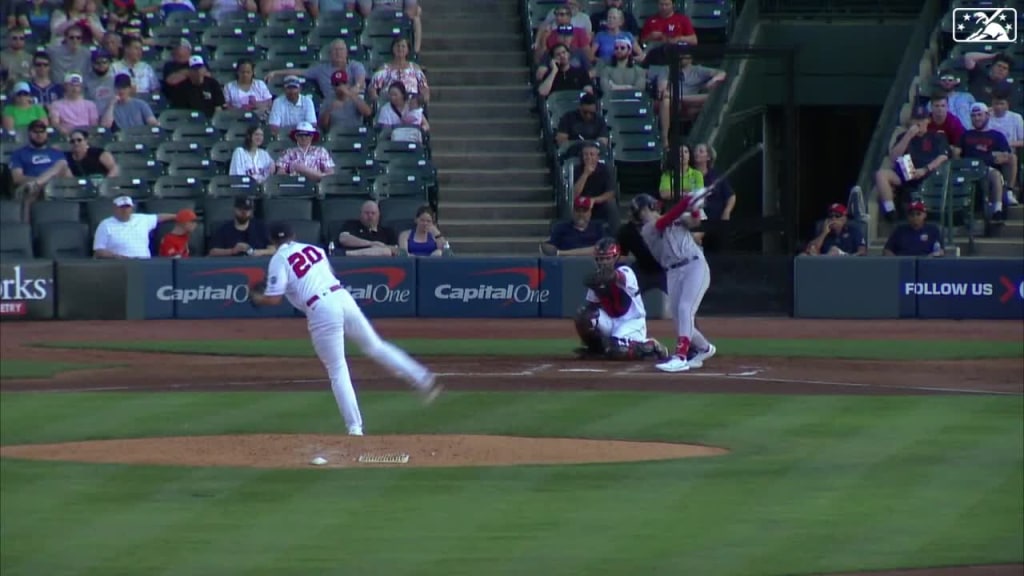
(376, 292)
(524, 292)
(228, 293)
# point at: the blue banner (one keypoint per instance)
(218, 288)
(968, 288)
(552, 281)
(153, 274)
(481, 288)
(383, 287)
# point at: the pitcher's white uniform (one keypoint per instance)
(625, 320)
(302, 273)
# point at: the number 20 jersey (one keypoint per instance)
(299, 272)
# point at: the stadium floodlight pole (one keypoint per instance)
(672, 53)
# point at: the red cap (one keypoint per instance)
(837, 209)
(185, 216)
(917, 206)
(582, 203)
(339, 77)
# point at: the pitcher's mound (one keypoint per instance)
(298, 450)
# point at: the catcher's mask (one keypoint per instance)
(606, 253)
(642, 201)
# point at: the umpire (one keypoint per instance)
(649, 274)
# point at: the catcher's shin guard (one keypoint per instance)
(586, 328)
(637, 350)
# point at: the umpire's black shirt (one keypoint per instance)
(630, 242)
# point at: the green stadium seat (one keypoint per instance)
(345, 183)
(178, 187)
(202, 135)
(16, 241)
(224, 186)
(170, 205)
(307, 231)
(221, 153)
(224, 119)
(58, 240)
(10, 211)
(275, 209)
(400, 212)
(72, 189)
(284, 186)
(168, 36)
(51, 211)
(137, 186)
(201, 168)
(142, 166)
(167, 152)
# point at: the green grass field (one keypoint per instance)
(813, 484)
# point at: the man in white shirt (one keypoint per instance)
(1010, 124)
(302, 274)
(126, 234)
(291, 109)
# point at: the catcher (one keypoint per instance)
(613, 322)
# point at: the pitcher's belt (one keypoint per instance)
(314, 299)
(682, 263)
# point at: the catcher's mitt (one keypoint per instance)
(601, 280)
(257, 288)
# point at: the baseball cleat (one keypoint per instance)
(674, 364)
(355, 430)
(698, 359)
(431, 390)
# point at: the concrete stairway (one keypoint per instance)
(1008, 244)
(496, 195)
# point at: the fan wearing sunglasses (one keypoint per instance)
(837, 237)
(87, 161)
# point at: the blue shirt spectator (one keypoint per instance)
(916, 237)
(577, 236)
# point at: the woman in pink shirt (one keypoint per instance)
(400, 70)
(73, 110)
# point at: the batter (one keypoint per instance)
(687, 275)
(302, 274)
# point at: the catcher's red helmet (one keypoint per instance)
(606, 252)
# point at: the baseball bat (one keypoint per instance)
(747, 155)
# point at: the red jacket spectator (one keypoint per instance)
(668, 26)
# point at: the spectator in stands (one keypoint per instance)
(70, 56)
(99, 80)
(86, 161)
(559, 74)
(15, 60)
(220, 8)
(126, 21)
(982, 83)
(176, 70)
(595, 182)
(73, 110)
(365, 236)
(401, 110)
(612, 38)
(579, 19)
(927, 150)
(584, 123)
(1011, 125)
(718, 207)
(649, 274)
(944, 122)
(268, 7)
(32, 15)
(574, 237)
(668, 26)
(692, 179)
(306, 159)
(250, 159)
(989, 146)
(291, 108)
(242, 236)
(424, 239)
(44, 90)
(837, 237)
(247, 92)
(35, 164)
(201, 91)
(623, 73)
(917, 237)
(399, 69)
(142, 74)
(113, 44)
(168, 7)
(599, 19)
(174, 244)
(348, 110)
(410, 8)
(563, 31)
(322, 72)
(124, 110)
(959, 102)
(695, 84)
(126, 234)
(81, 14)
(21, 110)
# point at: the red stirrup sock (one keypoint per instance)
(682, 347)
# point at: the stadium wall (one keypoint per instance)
(807, 287)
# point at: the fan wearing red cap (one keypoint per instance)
(837, 237)
(926, 152)
(174, 244)
(917, 237)
(347, 109)
(576, 236)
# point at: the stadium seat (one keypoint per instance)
(307, 231)
(200, 134)
(343, 131)
(64, 240)
(137, 186)
(216, 211)
(147, 136)
(290, 19)
(173, 186)
(167, 152)
(387, 149)
(141, 166)
(363, 164)
(168, 35)
(290, 187)
(345, 183)
(322, 36)
(16, 241)
(53, 211)
(400, 185)
(221, 154)
(275, 209)
(224, 119)
(199, 167)
(72, 189)
(192, 20)
(10, 211)
(224, 186)
(157, 205)
(224, 34)
(229, 51)
(401, 210)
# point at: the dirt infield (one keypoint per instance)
(143, 372)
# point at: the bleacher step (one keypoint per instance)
(526, 126)
(494, 194)
(470, 42)
(489, 228)
(486, 145)
(485, 180)
(479, 111)
(466, 22)
(469, 95)
(484, 161)
(456, 8)
(491, 211)
(481, 76)
(501, 59)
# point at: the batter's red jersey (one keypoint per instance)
(174, 246)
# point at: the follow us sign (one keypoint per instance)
(968, 288)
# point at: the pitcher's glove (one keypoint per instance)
(257, 288)
(601, 281)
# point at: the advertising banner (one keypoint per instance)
(553, 280)
(92, 289)
(851, 287)
(480, 288)
(27, 290)
(218, 288)
(145, 277)
(383, 287)
(968, 288)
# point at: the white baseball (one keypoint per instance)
(318, 461)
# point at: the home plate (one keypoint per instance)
(582, 370)
(748, 373)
